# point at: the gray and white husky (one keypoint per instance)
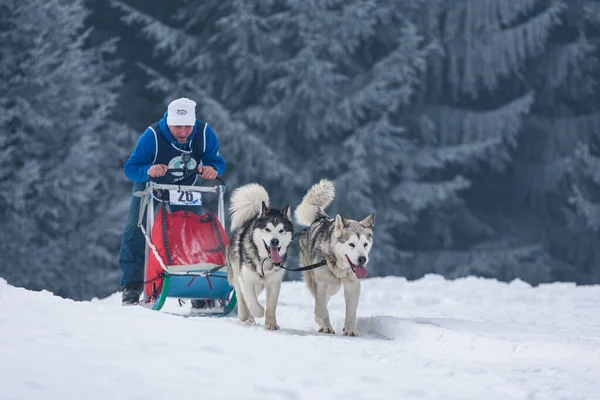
(257, 250)
(343, 243)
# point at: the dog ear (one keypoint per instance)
(286, 212)
(368, 222)
(340, 222)
(265, 209)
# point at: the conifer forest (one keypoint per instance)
(470, 127)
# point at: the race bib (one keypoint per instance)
(185, 198)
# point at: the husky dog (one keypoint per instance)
(343, 243)
(257, 250)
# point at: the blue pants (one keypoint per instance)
(133, 248)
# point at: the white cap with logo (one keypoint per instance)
(181, 112)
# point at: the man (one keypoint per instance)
(159, 148)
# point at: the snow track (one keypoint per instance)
(429, 339)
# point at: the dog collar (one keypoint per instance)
(262, 268)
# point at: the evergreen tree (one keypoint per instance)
(60, 229)
(565, 118)
(465, 125)
(584, 222)
(583, 197)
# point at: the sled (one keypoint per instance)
(185, 252)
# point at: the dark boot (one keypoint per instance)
(199, 304)
(131, 293)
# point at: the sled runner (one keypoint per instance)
(185, 252)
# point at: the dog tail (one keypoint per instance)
(313, 205)
(246, 203)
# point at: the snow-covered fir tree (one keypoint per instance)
(465, 124)
(60, 149)
(552, 147)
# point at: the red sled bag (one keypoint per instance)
(191, 239)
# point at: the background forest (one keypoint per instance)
(471, 127)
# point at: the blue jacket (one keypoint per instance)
(143, 156)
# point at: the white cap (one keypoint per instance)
(181, 112)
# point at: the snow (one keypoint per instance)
(428, 339)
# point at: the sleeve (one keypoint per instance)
(212, 155)
(141, 159)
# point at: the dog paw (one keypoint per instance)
(271, 326)
(350, 332)
(327, 329)
(243, 316)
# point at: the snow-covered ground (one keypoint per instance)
(429, 339)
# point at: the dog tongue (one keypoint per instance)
(360, 271)
(275, 257)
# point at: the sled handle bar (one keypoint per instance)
(187, 173)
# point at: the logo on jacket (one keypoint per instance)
(177, 163)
